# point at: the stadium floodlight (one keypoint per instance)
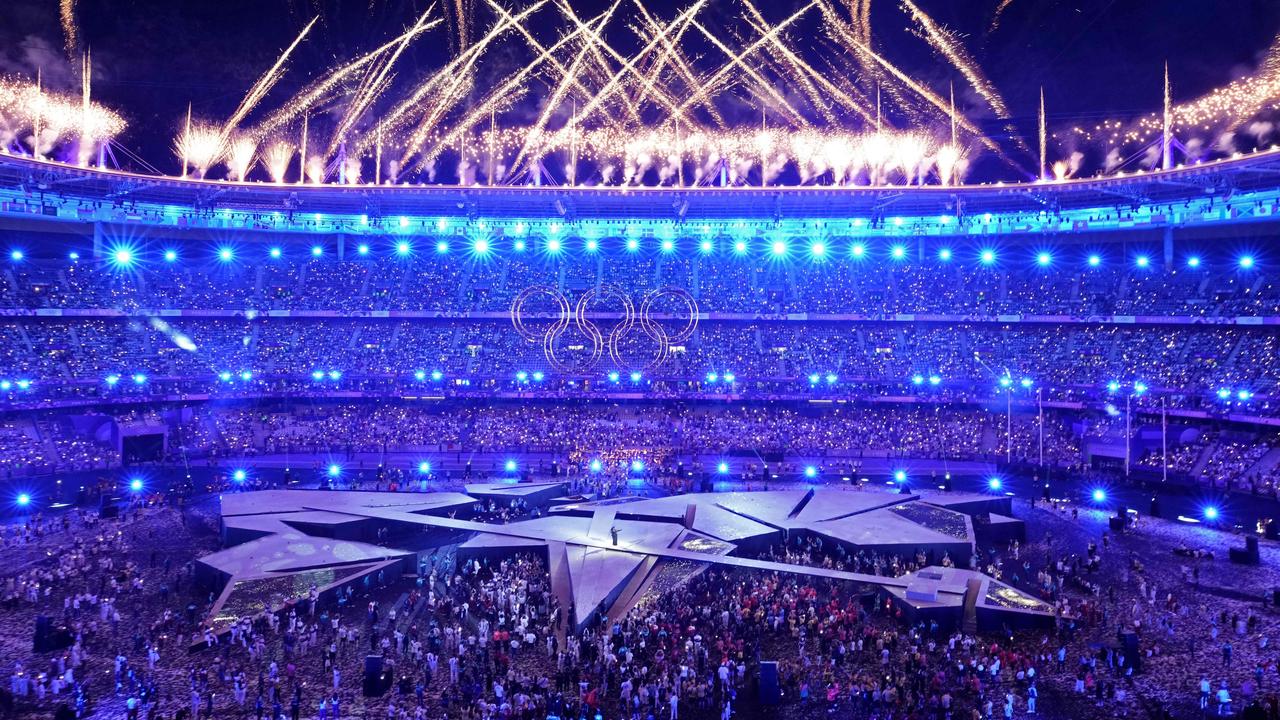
(518, 246)
(239, 475)
(898, 252)
(24, 499)
(424, 467)
(858, 250)
(1113, 386)
(635, 377)
(1095, 260)
(1099, 495)
(668, 246)
(810, 471)
(335, 374)
(987, 257)
(553, 245)
(112, 380)
(246, 375)
(522, 376)
(900, 476)
(712, 377)
(436, 375)
(613, 377)
(722, 468)
(403, 248)
(122, 257)
(275, 252)
(420, 375)
(1139, 388)
(226, 254)
(814, 378)
(26, 385)
(17, 255)
(592, 245)
(135, 484)
(363, 249)
(637, 466)
(1224, 394)
(1246, 261)
(1044, 259)
(510, 466)
(1026, 382)
(1193, 261)
(935, 380)
(1244, 394)
(740, 247)
(1006, 381)
(335, 470)
(139, 379)
(632, 244)
(730, 377)
(1142, 261)
(316, 251)
(169, 256)
(480, 246)
(442, 247)
(818, 249)
(1210, 512)
(994, 483)
(778, 248)
(831, 378)
(917, 379)
(6, 385)
(224, 376)
(317, 374)
(596, 465)
(707, 247)
(944, 254)
(538, 376)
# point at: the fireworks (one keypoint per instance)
(39, 121)
(276, 158)
(200, 147)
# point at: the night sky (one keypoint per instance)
(1094, 58)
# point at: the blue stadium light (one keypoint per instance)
(442, 224)
(898, 252)
(1139, 388)
(553, 245)
(635, 377)
(538, 376)
(897, 222)
(112, 380)
(740, 247)
(335, 470)
(1193, 261)
(139, 379)
(522, 376)
(637, 466)
(24, 499)
(723, 468)
(944, 254)
(275, 253)
(424, 467)
(1210, 512)
(436, 375)
(730, 377)
(1095, 261)
(316, 251)
(73, 256)
(239, 475)
(518, 246)
(554, 228)
(317, 374)
(632, 244)
(831, 378)
(858, 250)
(442, 247)
(917, 379)
(935, 380)
(1224, 394)
(706, 246)
(520, 228)
(510, 466)
(246, 376)
(1006, 381)
(818, 249)
(900, 476)
(1044, 259)
(944, 219)
(224, 376)
(668, 246)
(613, 377)
(1142, 261)
(404, 248)
(26, 385)
(1113, 386)
(335, 374)
(987, 257)
(1026, 382)
(814, 378)
(1244, 394)
(226, 254)
(404, 221)
(420, 375)
(593, 245)
(6, 385)
(778, 248)
(1099, 495)
(1246, 261)
(17, 255)
(596, 465)
(810, 471)
(995, 483)
(170, 256)
(480, 247)
(135, 484)
(364, 219)
(122, 257)
(712, 377)
(363, 249)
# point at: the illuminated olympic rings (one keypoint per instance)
(577, 315)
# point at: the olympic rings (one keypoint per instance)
(578, 316)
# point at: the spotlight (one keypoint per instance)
(26, 385)
(1006, 381)
(122, 257)
(1113, 386)
(481, 247)
(135, 484)
(994, 483)
(169, 256)
(858, 250)
(6, 385)
(316, 251)
(420, 375)
(275, 252)
(712, 377)
(73, 256)
(239, 475)
(722, 468)
(706, 246)
(917, 379)
(226, 254)
(1094, 261)
(1139, 388)
(442, 247)
(1044, 259)
(363, 249)
(814, 378)
(778, 248)
(818, 249)
(404, 221)
(632, 244)
(668, 246)
(436, 375)
(522, 376)
(810, 471)
(335, 471)
(317, 374)
(112, 380)
(740, 247)
(831, 378)
(1099, 495)
(335, 374)
(1026, 382)
(1244, 394)
(898, 252)
(944, 254)
(987, 257)
(403, 248)
(518, 246)
(596, 465)
(24, 499)
(510, 466)
(935, 380)
(424, 467)
(1224, 394)
(729, 377)
(635, 377)
(1193, 261)
(1246, 261)
(613, 377)
(637, 466)
(139, 379)
(900, 476)
(537, 376)
(1210, 513)
(593, 245)
(1142, 261)
(17, 255)
(246, 376)
(553, 245)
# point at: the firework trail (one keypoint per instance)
(949, 47)
(672, 54)
(70, 30)
(201, 147)
(240, 154)
(596, 45)
(263, 85)
(995, 19)
(276, 158)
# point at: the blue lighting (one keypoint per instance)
(987, 257)
(246, 376)
(1094, 261)
(706, 246)
(1142, 261)
(510, 466)
(537, 376)
(944, 254)
(17, 255)
(898, 252)
(740, 247)
(518, 246)
(1224, 394)
(317, 374)
(994, 483)
(831, 378)
(632, 244)
(1099, 495)
(424, 467)
(917, 379)
(730, 377)
(522, 376)
(935, 380)
(1006, 381)
(5, 385)
(596, 465)
(226, 254)
(613, 377)
(139, 379)
(1044, 259)
(26, 385)
(135, 484)
(316, 251)
(810, 471)
(24, 499)
(480, 246)
(169, 256)
(1139, 388)
(404, 221)
(442, 224)
(778, 247)
(637, 466)
(404, 248)
(1113, 386)
(73, 255)
(420, 375)
(122, 257)
(224, 376)
(275, 252)
(335, 374)
(818, 249)
(1246, 261)
(335, 470)
(553, 245)
(363, 249)
(1244, 394)
(635, 377)
(239, 475)
(593, 245)
(112, 380)
(1210, 513)
(668, 246)
(722, 468)
(1026, 382)
(436, 375)
(814, 378)
(442, 247)
(712, 377)
(900, 476)
(1193, 261)
(858, 250)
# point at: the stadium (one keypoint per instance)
(546, 419)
